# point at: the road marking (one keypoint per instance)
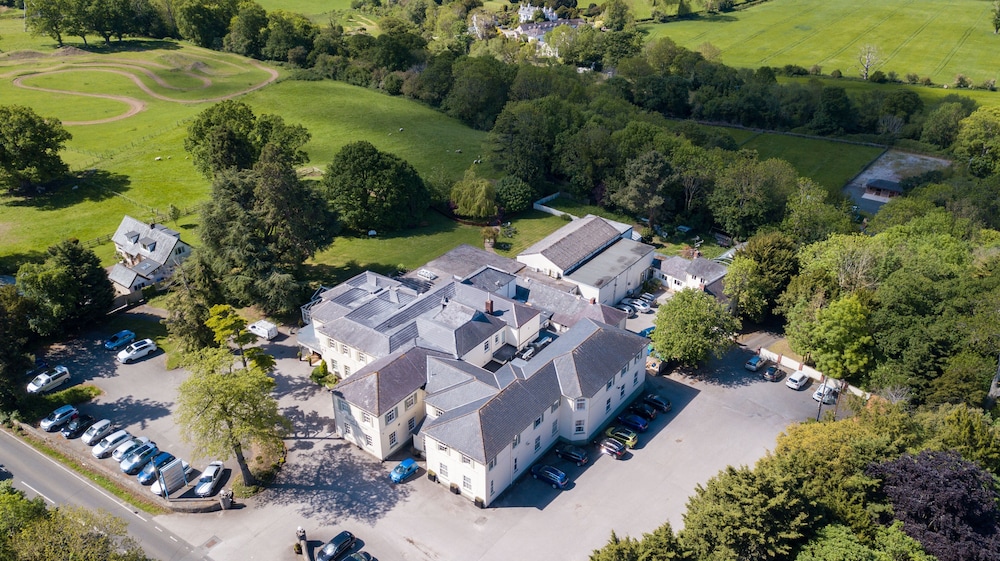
(173, 538)
(76, 475)
(158, 529)
(37, 492)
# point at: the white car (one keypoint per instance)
(97, 431)
(798, 380)
(50, 379)
(136, 351)
(209, 479)
(826, 394)
(107, 444)
(127, 447)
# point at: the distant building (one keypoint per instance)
(148, 253)
(677, 273)
(526, 13)
(881, 190)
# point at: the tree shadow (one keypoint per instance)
(306, 425)
(10, 263)
(129, 411)
(129, 46)
(300, 388)
(89, 185)
(335, 481)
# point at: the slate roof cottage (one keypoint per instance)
(148, 252)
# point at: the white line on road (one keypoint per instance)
(37, 492)
(158, 529)
(82, 480)
(173, 538)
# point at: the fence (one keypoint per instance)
(540, 205)
(790, 362)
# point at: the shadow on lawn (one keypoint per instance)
(90, 185)
(129, 46)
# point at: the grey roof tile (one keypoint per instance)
(575, 242)
(382, 384)
(130, 228)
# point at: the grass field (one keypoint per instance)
(316, 10)
(934, 38)
(828, 163)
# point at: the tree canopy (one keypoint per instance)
(693, 325)
(29, 149)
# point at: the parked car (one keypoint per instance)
(119, 340)
(623, 435)
(77, 426)
(49, 379)
(755, 363)
(209, 479)
(611, 447)
(634, 422)
(40, 366)
(572, 453)
(648, 298)
(657, 401)
(639, 304)
(97, 431)
(403, 470)
(157, 490)
(360, 556)
(772, 373)
(627, 309)
(108, 444)
(58, 418)
(643, 409)
(648, 332)
(339, 545)
(550, 475)
(135, 460)
(797, 380)
(147, 474)
(136, 350)
(126, 448)
(826, 394)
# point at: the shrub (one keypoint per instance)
(836, 74)
(566, 217)
(989, 85)
(793, 70)
(393, 84)
(320, 375)
(962, 81)
(815, 70)
(892, 76)
(926, 81)
(489, 234)
(912, 78)
(878, 77)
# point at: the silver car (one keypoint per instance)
(127, 447)
(209, 479)
(135, 460)
(107, 444)
(97, 431)
(58, 418)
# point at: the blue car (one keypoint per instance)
(405, 469)
(634, 422)
(147, 474)
(119, 340)
(647, 332)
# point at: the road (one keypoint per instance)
(38, 475)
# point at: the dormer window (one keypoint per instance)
(149, 246)
(132, 237)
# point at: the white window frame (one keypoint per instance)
(580, 427)
(517, 440)
(390, 416)
(538, 443)
(555, 426)
(581, 404)
(392, 439)
(467, 483)
(369, 442)
(411, 400)
(607, 405)
(366, 418)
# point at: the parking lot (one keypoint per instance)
(721, 415)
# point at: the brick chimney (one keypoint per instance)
(489, 306)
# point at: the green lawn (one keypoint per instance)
(316, 10)
(580, 210)
(830, 164)
(935, 38)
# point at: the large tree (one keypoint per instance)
(645, 189)
(374, 190)
(15, 311)
(843, 339)
(479, 90)
(229, 135)
(205, 22)
(69, 290)
(224, 409)
(474, 196)
(29, 149)
(978, 142)
(259, 227)
(693, 325)
(809, 218)
(750, 193)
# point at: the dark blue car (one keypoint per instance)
(634, 422)
(148, 472)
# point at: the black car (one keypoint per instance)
(660, 403)
(557, 479)
(572, 453)
(773, 373)
(611, 447)
(78, 426)
(339, 545)
(643, 409)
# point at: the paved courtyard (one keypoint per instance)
(721, 415)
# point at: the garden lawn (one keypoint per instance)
(580, 210)
(828, 163)
(934, 38)
(316, 10)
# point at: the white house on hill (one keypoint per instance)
(148, 252)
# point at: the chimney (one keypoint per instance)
(593, 300)
(489, 306)
(444, 303)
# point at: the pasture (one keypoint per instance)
(933, 38)
(830, 164)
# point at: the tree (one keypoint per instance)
(514, 195)
(995, 13)
(286, 32)
(745, 289)
(15, 312)
(474, 196)
(843, 341)
(371, 189)
(776, 256)
(49, 18)
(961, 520)
(29, 148)
(942, 125)
(978, 142)
(205, 22)
(479, 90)
(809, 218)
(229, 135)
(69, 290)
(745, 514)
(617, 16)
(645, 188)
(835, 113)
(248, 30)
(523, 139)
(228, 327)
(750, 193)
(695, 169)
(223, 409)
(691, 326)
(869, 56)
(89, 535)
(661, 545)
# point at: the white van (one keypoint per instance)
(263, 329)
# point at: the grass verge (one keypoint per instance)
(107, 484)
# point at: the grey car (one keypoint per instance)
(58, 418)
(132, 463)
(126, 448)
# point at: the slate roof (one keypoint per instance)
(454, 383)
(457, 328)
(707, 269)
(575, 242)
(885, 185)
(382, 384)
(122, 275)
(512, 313)
(600, 313)
(165, 239)
(565, 308)
(675, 266)
(465, 260)
(489, 279)
(610, 263)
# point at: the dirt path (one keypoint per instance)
(135, 105)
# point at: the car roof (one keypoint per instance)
(407, 462)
